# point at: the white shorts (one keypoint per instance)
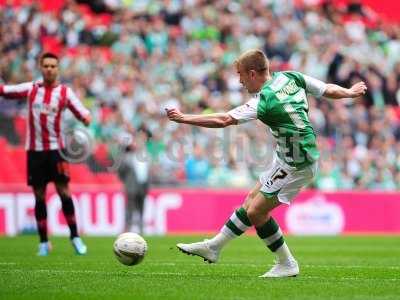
(284, 181)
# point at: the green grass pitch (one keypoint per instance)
(350, 267)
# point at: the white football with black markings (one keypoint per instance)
(130, 248)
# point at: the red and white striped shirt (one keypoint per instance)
(45, 107)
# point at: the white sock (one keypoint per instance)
(220, 240)
(283, 253)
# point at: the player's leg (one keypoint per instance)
(237, 224)
(59, 174)
(234, 227)
(281, 184)
(67, 206)
(140, 198)
(41, 211)
(41, 219)
(268, 230)
(69, 213)
(130, 209)
(37, 179)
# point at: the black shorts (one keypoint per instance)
(46, 166)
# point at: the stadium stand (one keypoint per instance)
(128, 60)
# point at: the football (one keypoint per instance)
(130, 248)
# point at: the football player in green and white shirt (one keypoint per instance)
(280, 102)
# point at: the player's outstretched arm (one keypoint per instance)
(334, 91)
(217, 120)
(16, 91)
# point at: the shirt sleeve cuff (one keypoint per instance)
(321, 91)
(234, 115)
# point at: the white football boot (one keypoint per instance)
(289, 268)
(44, 249)
(201, 249)
(79, 246)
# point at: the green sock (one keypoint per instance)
(236, 225)
(271, 234)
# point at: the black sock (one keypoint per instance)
(69, 214)
(41, 219)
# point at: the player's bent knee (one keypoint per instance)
(254, 216)
(63, 193)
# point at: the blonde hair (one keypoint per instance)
(253, 59)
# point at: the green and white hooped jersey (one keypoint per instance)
(282, 105)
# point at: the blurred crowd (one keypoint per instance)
(129, 60)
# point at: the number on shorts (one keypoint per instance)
(279, 174)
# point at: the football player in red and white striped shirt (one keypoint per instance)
(47, 100)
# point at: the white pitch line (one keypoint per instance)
(262, 265)
(172, 264)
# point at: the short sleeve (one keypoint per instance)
(246, 112)
(314, 86)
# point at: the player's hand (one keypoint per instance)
(358, 89)
(87, 119)
(174, 114)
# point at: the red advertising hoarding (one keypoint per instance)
(167, 211)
